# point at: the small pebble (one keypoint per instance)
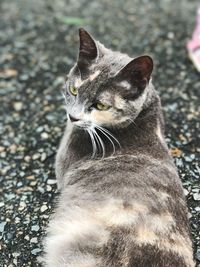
(35, 251)
(22, 206)
(175, 152)
(39, 129)
(198, 255)
(3, 154)
(22, 174)
(34, 240)
(9, 73)
(44, 135)
(36, 156)
(18, 106)
(27, 158)
(2, 226)
(185, 192)
(13, 148)
(17, 220)
(27, 237)
(30, 177)
(35, 228)
(33, 183)
(196, 196)
(51, 181)
(24, 77)
(15, 254)
(43, 208)
(43, 156)
(2, 148)
(49, 188)
(41, 189)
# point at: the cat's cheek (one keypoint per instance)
(120, 103)
(103, 117)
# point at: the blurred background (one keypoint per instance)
(39, 44)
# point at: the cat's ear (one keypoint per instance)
(88, 50)
(137, 72)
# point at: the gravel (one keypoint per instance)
(39, 44)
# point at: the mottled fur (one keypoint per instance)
(126, 209)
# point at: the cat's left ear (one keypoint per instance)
(88, 50)
(137, 72)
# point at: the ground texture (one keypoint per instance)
(39, 43)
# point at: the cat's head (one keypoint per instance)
(105, 88)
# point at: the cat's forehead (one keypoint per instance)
(104, 67)
(95, 80)
(80, 81)
(98, 79)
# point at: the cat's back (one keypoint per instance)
(124, 210)
(126, 175)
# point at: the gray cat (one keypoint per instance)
(121, 202)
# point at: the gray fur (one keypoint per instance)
(121, 209)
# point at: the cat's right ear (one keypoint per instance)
(88, 50)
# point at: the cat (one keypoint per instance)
(121, 201)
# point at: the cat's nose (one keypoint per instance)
(73, 119)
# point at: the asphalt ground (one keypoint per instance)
(39, 43)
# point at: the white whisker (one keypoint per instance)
(100, 142)
(133, 123)
(94, 146)
(113, 145)
(97, 141)
(111, 135)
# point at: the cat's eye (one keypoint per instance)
(101, 106)
(73, 90)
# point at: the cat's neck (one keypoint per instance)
(145, 135)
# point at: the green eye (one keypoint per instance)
(101, 106)
(73, 90)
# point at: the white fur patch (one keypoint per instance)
(74, 227)
(159, 133)
(78, 83)
(114, 213)
(138, 103)
(154, 225)
(162, 222)
(124, 84)
(94, 75)
(119, 102)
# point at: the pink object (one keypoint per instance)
(193, 45)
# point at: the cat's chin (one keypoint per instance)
(81, 125)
